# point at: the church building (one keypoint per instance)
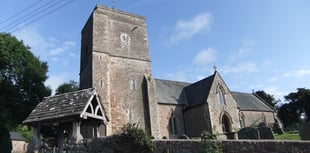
(117, 87)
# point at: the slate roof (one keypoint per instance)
(170, 92)
(197, 93)
(190, 94)
(174, 92)
(65, 105)
(16, 136)
(247, 101)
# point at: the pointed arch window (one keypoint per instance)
(172, 124)
(221, 96)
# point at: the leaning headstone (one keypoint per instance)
(265, 132)
(304, 131)
(248, 133)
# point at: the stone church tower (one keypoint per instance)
(114, 60)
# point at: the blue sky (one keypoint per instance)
(257, 44)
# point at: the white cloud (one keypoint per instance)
(273, 79)
(205, 56)
(55, 80)
(246, 67)
(64, 47)
(73, 55)
(246, 48)
(301, 73)
(31, 37)
(178, 76)
(41, 46)
(296, 73)
(185, 29)
(276, 92)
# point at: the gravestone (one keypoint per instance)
(183, 136)
(248, 133)
(265, 132)
(304, 131)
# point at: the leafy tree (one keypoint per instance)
(288, 113)
(266, 97)
(22, 77)
(67, 87)
(298, 107)
(5, 140)
(25, 131)
(301, 99)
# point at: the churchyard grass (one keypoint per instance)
(287, 136)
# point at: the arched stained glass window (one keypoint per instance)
(221, 96)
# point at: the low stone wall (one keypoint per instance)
(235, 146)
(112, 145)
(19, 146)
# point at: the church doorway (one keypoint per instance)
(226, 126)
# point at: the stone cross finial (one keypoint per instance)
(214, 67)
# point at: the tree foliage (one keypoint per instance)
(22, 77)
(67, 87)
(266, 97)
(5, 140)
(297, 109)
(137, 139)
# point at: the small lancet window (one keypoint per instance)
(242, 120)
(132, 84)
(221, 96)
(172, 124)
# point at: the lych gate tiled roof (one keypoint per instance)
(170, 92)
(17, 136)
(71, 104)
(247, 101)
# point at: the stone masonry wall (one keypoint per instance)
(165, 112)
(150, 96)
(197, 119)
(254, 118)
(217, 110)
(235, 146)
(114, 60)
(117, 144)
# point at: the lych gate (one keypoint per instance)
(79, 113)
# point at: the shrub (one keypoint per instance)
(139, 141)
(209, 145)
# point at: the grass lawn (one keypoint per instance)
(287, 136)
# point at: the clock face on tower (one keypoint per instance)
(125, 39)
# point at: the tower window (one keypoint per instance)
(132, 84)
